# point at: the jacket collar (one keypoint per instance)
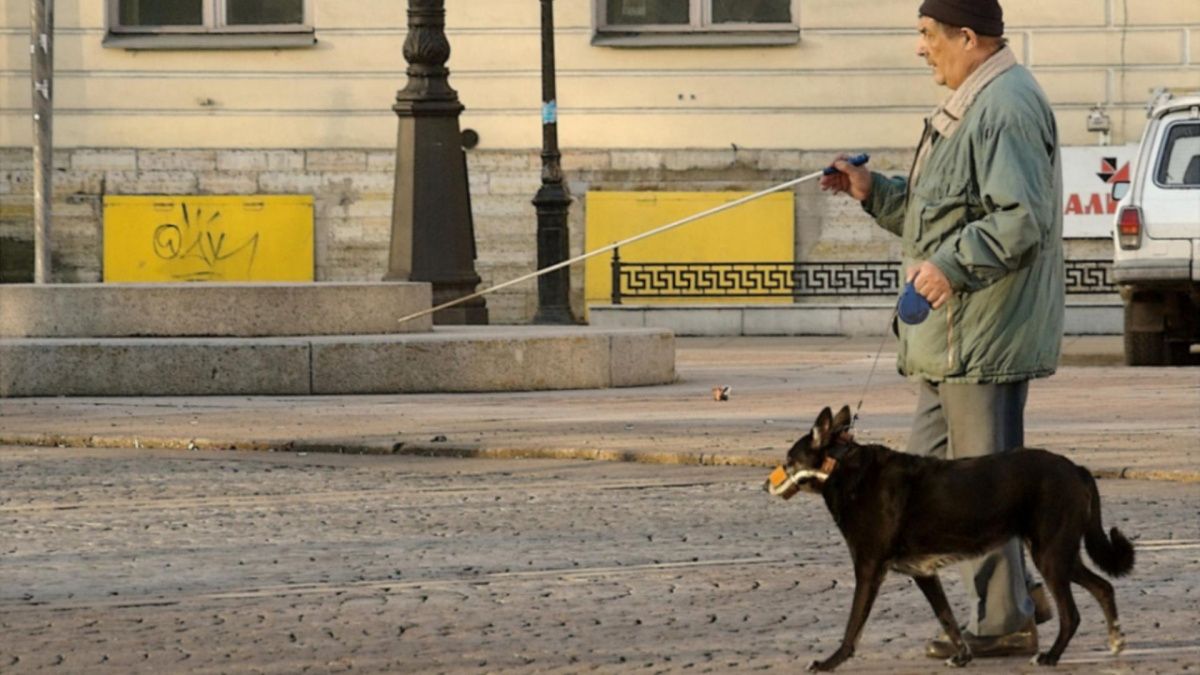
(948, 116)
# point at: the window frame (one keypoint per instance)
(699, 31)
(213, 33)
(1164, 156)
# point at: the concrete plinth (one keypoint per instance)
(233, 310)
(450, 359)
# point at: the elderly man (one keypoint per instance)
(980, 214)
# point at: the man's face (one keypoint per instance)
(941, 51)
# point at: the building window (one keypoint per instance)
(209, 24)
(654, 23)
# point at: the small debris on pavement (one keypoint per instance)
(721, 392)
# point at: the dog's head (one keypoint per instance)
(809, 461)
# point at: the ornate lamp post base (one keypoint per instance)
(433, 236)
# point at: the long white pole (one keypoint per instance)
(858, 160)
(41, 52)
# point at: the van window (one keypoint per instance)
(1179, 163)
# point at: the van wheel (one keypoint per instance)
(1145, 349)
(1178, 353)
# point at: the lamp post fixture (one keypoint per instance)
(552, 199)
(433, 236)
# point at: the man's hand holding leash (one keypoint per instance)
(855, 181)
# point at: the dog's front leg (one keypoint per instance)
(868, 575)
(931, 586)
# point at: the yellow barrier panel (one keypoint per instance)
(759, 231)
(208, 238)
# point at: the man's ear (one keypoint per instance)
(821, 430)
(970, 38)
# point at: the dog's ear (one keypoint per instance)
(843, 420)
(821, 430)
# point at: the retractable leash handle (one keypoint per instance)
(857, 160)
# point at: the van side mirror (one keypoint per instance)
(1119, 190)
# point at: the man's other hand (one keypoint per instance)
(930, 283)
(853, 180)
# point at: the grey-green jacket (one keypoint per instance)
(984, 204)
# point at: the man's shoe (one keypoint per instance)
(1021, 643)
(1042, 611)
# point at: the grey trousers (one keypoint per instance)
(967, 420)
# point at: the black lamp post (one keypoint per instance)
(433, 237)
(552, 199)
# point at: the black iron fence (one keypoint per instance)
(796, 279)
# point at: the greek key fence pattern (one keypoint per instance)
(797, 279)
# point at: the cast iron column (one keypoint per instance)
(433, 237)
(552, 199)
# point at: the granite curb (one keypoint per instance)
(388, 446)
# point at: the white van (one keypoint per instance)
(1156, 238)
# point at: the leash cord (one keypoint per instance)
(870, 375)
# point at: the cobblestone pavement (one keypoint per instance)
(156, 561)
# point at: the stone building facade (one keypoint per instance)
(690, 117)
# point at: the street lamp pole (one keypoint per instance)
(552, 199)
(41, 49)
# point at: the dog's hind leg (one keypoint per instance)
(931, 586)
(1103, 592)
(867, 578)
(1056, 563)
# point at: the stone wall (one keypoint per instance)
(352, 192)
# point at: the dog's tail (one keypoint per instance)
(1115, 557)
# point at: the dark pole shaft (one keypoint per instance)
(551, 158)
(42, 54)
(552, 200)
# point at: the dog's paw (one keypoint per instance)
(1044, 659)
(821, 666)
(959, 660)
(1116, 643)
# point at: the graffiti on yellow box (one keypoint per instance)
(208, 238)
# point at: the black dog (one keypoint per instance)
(906, 513)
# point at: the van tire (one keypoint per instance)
(1145, 349)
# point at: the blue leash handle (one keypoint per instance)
(857, 160)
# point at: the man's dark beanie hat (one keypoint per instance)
(982, 16)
